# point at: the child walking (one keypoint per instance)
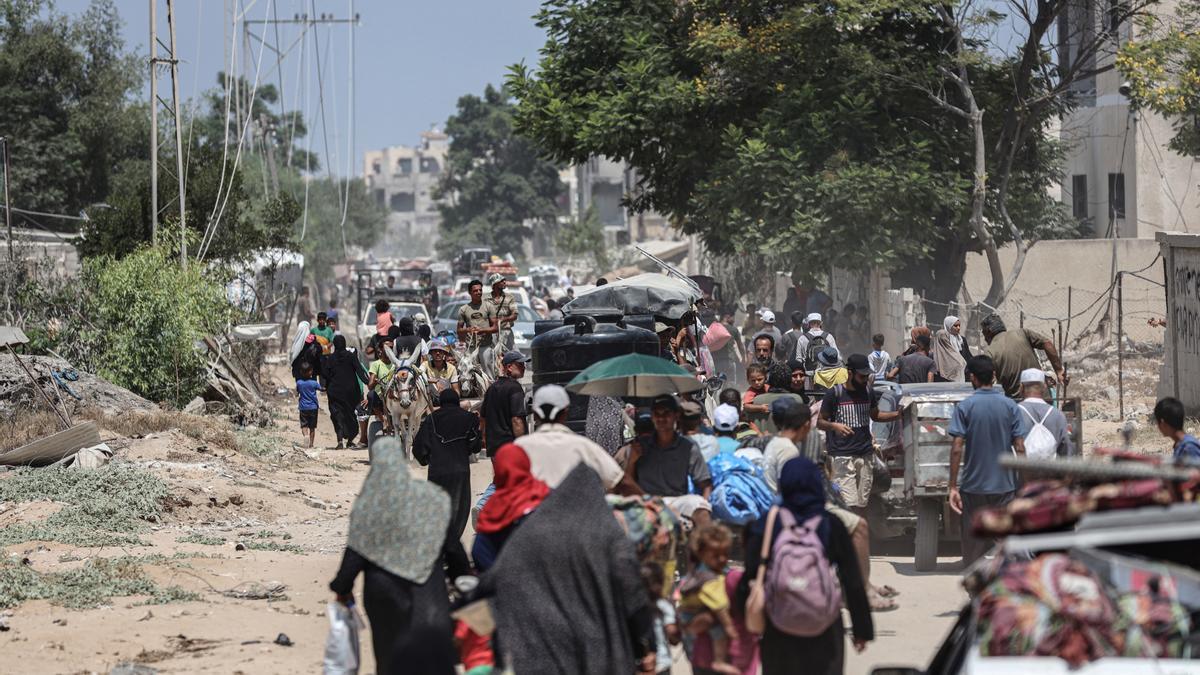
(306, 391)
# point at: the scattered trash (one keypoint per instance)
(254, 590)
(92, 457)
(52, 448)
(239, 546)
(59, 622)
(149, 615)
(4, 617)
(283, 640)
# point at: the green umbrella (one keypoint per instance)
(636, 375)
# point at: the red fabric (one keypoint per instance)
(517, 491)
(748, 397)
(474, 650)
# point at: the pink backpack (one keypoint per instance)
(801, 589)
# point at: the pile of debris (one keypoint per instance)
(232, 388)
(75, 390)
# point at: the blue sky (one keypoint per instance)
(414, 58)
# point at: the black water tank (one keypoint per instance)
(559, 355)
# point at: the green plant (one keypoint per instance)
(92, 584)
(197, 538)
(102, 507)
(152, 313)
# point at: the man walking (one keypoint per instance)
(778, 374)
(812, 341)
(789, 349)
(502, 308)
(1013, 352)
(846, 415)
(502, 414)
(1053, 439)
(554, 450)
(985, 427)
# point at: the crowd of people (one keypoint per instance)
(597, 552)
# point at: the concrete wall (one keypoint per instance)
(1181, 362)
(1084, 270)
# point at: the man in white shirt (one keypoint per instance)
(1038, 412)
(791, 418)
(554, 450)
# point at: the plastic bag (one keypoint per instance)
(341, 646)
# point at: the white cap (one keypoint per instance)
(768, 316)
(725, 417)
(812, 317)
(553, 396)
(1033, 376)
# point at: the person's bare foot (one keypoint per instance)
(879, 603)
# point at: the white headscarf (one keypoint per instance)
(948, 324)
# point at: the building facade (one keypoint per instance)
(1119, 177)
(402, 179)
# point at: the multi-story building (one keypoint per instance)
(1119, 176)
(601, 184)
(402, 179)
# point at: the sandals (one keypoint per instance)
(880, 603)
(886, 591)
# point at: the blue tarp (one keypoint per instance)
(740, 495)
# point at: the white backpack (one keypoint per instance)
(1039, 442)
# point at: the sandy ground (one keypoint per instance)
(301, 501)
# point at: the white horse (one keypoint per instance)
(407, 400)
(474, 378)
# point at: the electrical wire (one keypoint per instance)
(350, 135)
(211, 230)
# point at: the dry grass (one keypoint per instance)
(26, 426)
(210, 430)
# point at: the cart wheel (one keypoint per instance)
(373, 431)
(929, 512)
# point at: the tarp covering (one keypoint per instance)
(656, 294)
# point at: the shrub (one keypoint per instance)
(152, 314)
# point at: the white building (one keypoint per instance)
(1120, 176)
(402, 179)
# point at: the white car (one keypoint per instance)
(398, 310)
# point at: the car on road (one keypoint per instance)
(523, 329)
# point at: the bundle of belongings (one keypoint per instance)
(740, 494)
(1056, 605)
(1049, 505)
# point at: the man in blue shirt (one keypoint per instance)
(986, 426)
(1168, 413)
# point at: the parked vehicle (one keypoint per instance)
(398, 310)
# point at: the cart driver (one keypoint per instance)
(476, 326)
(503, 310)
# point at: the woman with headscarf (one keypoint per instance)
(397, 535)
(565, 592)
(802, 489)
(517, 494)
(445, 443)
(344, 376)
(950, 351)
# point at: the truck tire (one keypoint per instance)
(929, 512)
(373, 431)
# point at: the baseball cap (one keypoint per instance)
(768, 316)
(725, 417)
(691, 409)
(549, 400)
(665, 401)
(495, 278)
(1033, 376)
(812, 317)
(439, 345)
(857, 363)
(514, 357)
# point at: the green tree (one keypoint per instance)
(768, 128)
(1162, 66)
(584, 237)
(65, 85)
(284, 130)
(152, 313)
(495, 181)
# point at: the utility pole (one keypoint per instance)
(171, 60)
(268, 138)
(7, 202)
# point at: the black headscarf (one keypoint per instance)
(802, 487)
(406, 326)
(449, 398)
(343, 371)
(339, 344)
(566, 593)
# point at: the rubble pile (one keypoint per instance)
(76, 389)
